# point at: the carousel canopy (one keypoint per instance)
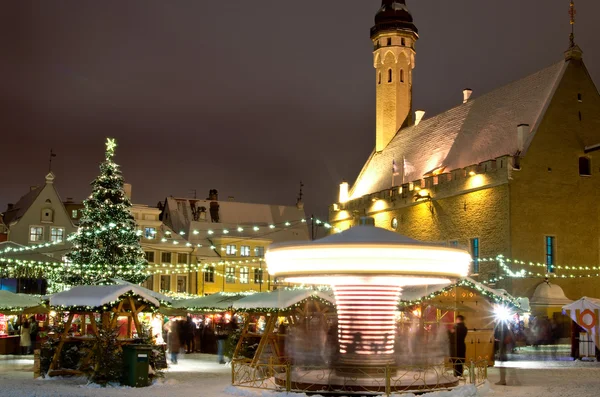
(280, 299)
(11, 303)
(215, 302)
(98, 295)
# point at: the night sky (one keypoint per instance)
(248, 97)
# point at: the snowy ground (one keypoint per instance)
(200, 375)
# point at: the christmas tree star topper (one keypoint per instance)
(110, 147)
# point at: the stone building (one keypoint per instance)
(512, 172)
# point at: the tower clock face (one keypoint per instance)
(395, 223)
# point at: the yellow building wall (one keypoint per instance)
(548, 196)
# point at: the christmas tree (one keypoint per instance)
(107, 243)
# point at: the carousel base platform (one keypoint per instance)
(330, 381)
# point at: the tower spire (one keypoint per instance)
(572, 13)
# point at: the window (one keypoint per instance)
(57, 234)
(379, 78)
(402, 75)
(165, 283)
(245, 250)
(475, 254)
(453, 243)
(209, 275)
(258, 276)
(230, 275)
(74, 214)
(389, 41)
(550, 254)
(165, 257)
(259, 251)
(231, 249)
(149, 256)
(149, 233)
(36, 233)
(47, 215)
(182, 258)
(403, 41)
(585, 166)
(579, 97)
(244, 273)
(389, 75)
(181, 283)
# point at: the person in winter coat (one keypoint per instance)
(25, 340)
(458, 347)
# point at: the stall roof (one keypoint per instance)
(13, 303)
(280, 299)
(97, 295)
(217, 301)
(157, 295)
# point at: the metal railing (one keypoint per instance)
(285, 376)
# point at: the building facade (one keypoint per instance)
(229, 239)
(513, 172)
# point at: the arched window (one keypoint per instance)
(389, 75)
(585, 166)
(402, 75)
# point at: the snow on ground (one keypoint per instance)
(200, 375)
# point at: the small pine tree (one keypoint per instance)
(107, 243)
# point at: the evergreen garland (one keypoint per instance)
(107, 243)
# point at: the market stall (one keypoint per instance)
(12, 309)
(436, 308)
(88, 307)
(271, 316)
(585, 313)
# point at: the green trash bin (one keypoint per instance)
(136, 360)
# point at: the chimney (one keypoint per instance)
(419, 116)
(522, 132)
(32, 188)
(230, 198)
(467, 94)
(10, 206)
(127, 190)
(343, 192)
(213, 195)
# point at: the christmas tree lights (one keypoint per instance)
(107, 245)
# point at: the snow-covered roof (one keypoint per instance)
(9, 301)
(217, 301)
(98, 295)
(548, 294)
(481, 129)
(583, 303)
(182, 215)
(280, 299)
(154, 294)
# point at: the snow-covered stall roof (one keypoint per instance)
(280, 299)
(422, 293)
(11, 302)
(97, 295)
(157, 295)
(217, 301)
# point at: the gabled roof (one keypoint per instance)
(21, 207)
(481, 129)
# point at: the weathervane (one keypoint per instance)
(572, 13)
(110, 148)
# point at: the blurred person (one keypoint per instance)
(25, 339)
(505, 339)
(222, 333)
(458, 347)
(173, 340)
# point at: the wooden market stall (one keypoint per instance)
(585, 339)
(12, 307)
(440, 306)
(112, 306)
(297, 308)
